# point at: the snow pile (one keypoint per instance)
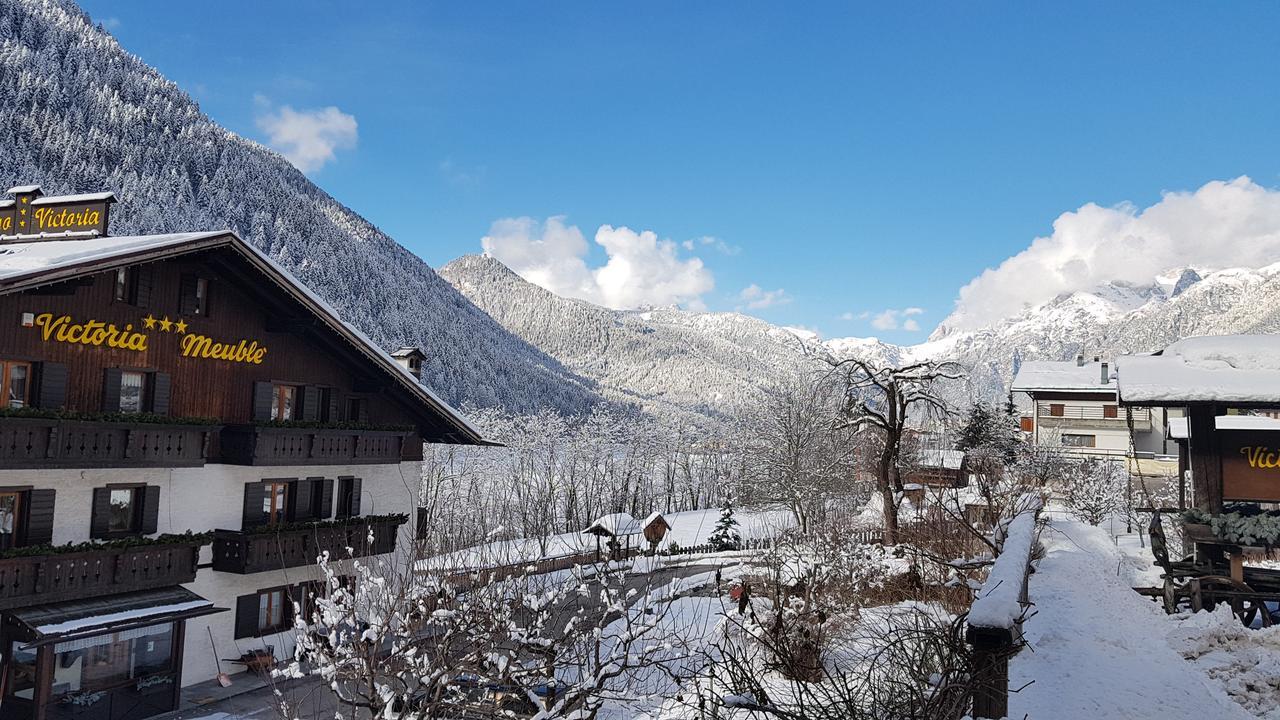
(1245, 662)
(1226, 368)
(999, 603)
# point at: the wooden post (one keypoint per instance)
(1206, 460)
(991, 671)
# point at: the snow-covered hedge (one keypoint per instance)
(999, 602)
(1241, 523)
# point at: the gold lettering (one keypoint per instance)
(57, 218)
(196, 345)
(92, 332)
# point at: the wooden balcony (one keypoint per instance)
(252, 552)
(57, 443)
(268, 445)
(92, 573)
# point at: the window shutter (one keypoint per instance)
(262, 401)
(150, 509)
(161, 387)
(100, 513)
(52, 393)
(143, 279)
(326, 498)
(364, 411)
(111, 390)
(40, 517)
(247, 616)
(333, 405)
(355, 496)
(310, 403)
(254, 494)
(187, 303)
(302, 507)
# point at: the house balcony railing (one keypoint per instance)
(1091, 412)
(33, 442)
(59, 576)
(260, 550)
(272, 445)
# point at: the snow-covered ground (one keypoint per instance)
(688, 528)
(1100, 650)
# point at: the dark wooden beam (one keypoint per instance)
(1205, 456)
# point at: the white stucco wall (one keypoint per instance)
(209, 498)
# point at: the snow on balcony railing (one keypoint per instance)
(1002, 598)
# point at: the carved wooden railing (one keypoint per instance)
(56, 443)
(268, 445)
(263, 550)
(55, 577)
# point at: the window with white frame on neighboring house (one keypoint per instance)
(1076, 440)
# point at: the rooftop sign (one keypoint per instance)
(30, 216)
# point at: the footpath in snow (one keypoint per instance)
(1097, 649)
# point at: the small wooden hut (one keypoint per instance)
(619, 528)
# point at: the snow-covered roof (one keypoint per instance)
(1178, 426)
(1048, 375)
(653, 516)
(1219, 369)
(615, 525)
(83, 198)
(25, 263)
(20, 189)
(946, 459)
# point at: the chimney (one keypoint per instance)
(1079, 359)
(1096, 358)
(410, 358)
(1106, 376)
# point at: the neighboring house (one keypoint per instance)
(163, 385)
(1073, 405)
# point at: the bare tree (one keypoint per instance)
(884, 400)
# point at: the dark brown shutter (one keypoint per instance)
(150, 509)
(161, 387)
(144, 277)
(247, 616)
(310, 403)
(254, 494)
(364, 411)
(111, 390)
(262, 401)
(40, 517)
(101, 513)
(52, 392)
(303, 506)
(355, 496)
(326, 498)
(333, 405)
(188, 304)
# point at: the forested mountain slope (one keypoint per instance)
(79, 114)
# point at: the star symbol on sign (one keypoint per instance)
(149, 322)
(166, 323)
(180, 326)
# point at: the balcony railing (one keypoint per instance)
(253, 552)
(1092, 412)
(91, 573)
(58, 443)
(268, 445)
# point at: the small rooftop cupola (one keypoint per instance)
(410, 358)
(30, 216)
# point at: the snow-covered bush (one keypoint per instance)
(1095, 489)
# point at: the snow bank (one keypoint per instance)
(999, 603)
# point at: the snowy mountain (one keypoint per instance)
(672, 362)
(79, 114)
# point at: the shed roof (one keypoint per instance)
(1242, 370)
(615, 525)
(1049, 375)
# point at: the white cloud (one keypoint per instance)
(757, 298)
(641, 270)
(1232, 223)
(308, 138)
(891, 319)
(715, 243)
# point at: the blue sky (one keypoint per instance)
(859, 158)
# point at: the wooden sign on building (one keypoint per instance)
(29, 216)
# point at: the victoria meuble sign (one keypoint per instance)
(30, 216)
(1250, 465)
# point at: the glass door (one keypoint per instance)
(10, 509)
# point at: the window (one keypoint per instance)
(126, 285)
(1110, 411)
(1027, 424)
(10, 519)
(193, 296)
(1069, 440)
(123, 514)
(275, 503)
(284, 400)
(133, 391)
(356, 410)
(348, 497)
(16, 378)
(112, 660)
(272, 611)
(324, 411)
(1057, 409)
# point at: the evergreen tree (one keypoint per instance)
(725, 536)
(987, 427)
